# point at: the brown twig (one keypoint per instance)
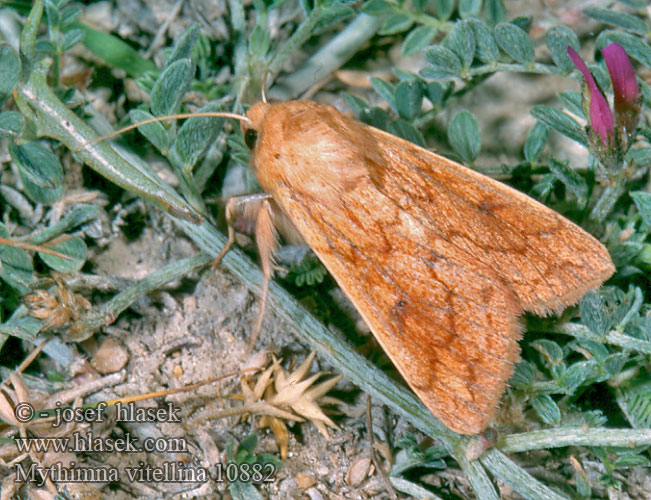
(374, 457)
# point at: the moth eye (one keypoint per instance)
(250, 136)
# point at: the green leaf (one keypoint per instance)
(635, 47)
(577, 374)
(469, 8)
(333, 14)
(380, 7)
(594, 312)
(558, 39)
(407, 131)
(82, 213)
(171, 86)
(420, 5)
(635, 4)
(358, 104)
(52, 13)
(395, 24)
(487, 50)
(443, 62)
(560, 121)
(9, 71)
(597, 351)
(16, 267)
(25, 327)
(115, 52)
(69, 15)
(386, 90)
(616, 18)
(547, 409)
(572, 180)
(196, 135)
(635, 400)
(639, 157)
(515, 42)
(536, 142)
(464, 136)
(259, 42)
(629, 461)
(375, 117)
(12, 123)
(436, 93)
(248, 444)
(184, 45)
(614, 364)
(244, 491)
(572, 101)
(523, 375)
(40, 171)
(155, 132)
(643, 201)
(461, 41)
(495, 12)
(543, 187)
(551, 353)
(523, 22)
(409, 99)
(444, 9)
(583, 487)
(72, 38)
(418, 39)
(75, 248)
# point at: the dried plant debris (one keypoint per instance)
(64, 308)
(277, 395)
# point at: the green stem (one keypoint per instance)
(331, 57)
(298, 38)
(111, 309)
(574, 436)
(608, 198)
(516, 477)
(613, 337)
(28, 36)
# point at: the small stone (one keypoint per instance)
(358, 471)
(304, 481)
(110, 357)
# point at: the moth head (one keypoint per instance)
(253, 124)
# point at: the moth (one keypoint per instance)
(439, 260)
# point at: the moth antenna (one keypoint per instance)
(264, 87)
(205, 114)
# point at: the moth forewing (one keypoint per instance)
(439, 260)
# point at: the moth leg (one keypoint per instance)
(256, 206)
(267, 241)
(233, 205)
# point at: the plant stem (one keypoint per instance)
(613, 337)
(574, 436)
(331, 57)
(516, 477)
(111, 309)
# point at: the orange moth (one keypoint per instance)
(439, 260)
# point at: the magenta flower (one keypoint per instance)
(607, 131)
(625, 87)
(601, 118)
